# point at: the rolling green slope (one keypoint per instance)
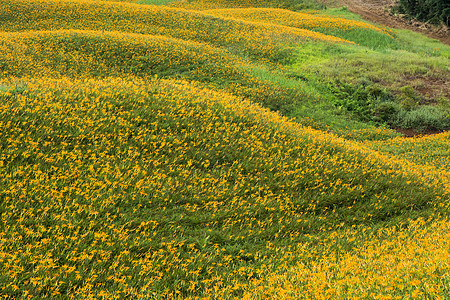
(153, 152)
(259, 40)
(162, 177)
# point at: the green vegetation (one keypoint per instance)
(434, 11)
(227, 152)
(294, 5)
(383, 86)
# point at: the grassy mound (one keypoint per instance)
(356, 31)
(132, 179)
(141, 157)
(427, 150)
(99, 54)
(208, 4)
(258, 40)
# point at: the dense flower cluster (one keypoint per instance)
(296, 19)
(260, 40)
(135, 168)
(210, 4)
(128, 187)
(94, 53)
(431, 150)
(411, 263)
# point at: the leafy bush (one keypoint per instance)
(408, 98)
(371, 103)
(434, 11)
(387, 111)
(365, 100)
(424, 118)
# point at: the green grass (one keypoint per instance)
(370, 39)
(404, 67)
(152, 162)
(341, 12)
(423, 45)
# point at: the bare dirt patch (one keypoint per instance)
(410, 133)
(430, 87)
(379, 11)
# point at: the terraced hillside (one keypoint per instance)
(156, 152)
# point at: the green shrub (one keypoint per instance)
(424, 118)
(408, 98)
(374, 104)
(433, 11)
(363, 100)
(386, 112)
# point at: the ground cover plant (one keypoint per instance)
(259, 40)
(284, 4)
(434, 11)
(356, 31)
(402, 88)
(153, 152)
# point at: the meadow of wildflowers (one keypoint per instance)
(355, 31)
(209, 4)
(428, 150)
(141, 158)
(391, 265)
(130, 187)
(88, 54)
(264, 41)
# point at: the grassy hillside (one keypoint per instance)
(356, 31)
(259, 40)
(208, 4)
(162, 153)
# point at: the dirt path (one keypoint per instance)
(377, 11)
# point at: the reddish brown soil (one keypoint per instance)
(414, 133)
(378, 11)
